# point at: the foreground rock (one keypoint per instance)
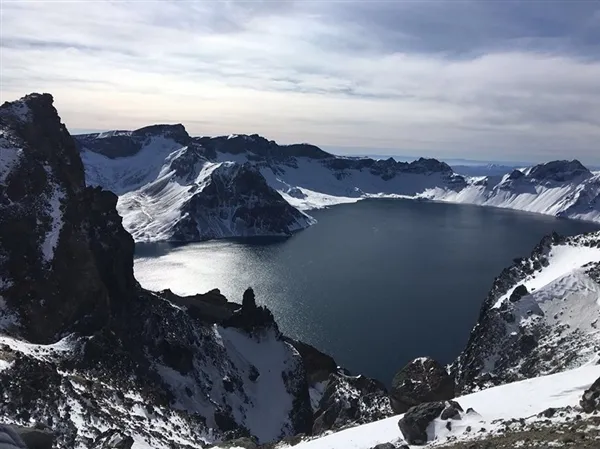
(415, 422)
(349, 401)
(422, 380)
(590, 401)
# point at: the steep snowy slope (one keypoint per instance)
(310, 178)
(560, 188)
(170, 191)
(495, 408)
(307, 178)
(540, 317)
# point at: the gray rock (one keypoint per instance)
(422, 380)
(452, 411)
(414, 423)
(518, 293)
(590, 401)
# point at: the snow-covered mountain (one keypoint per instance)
(90, 355)
(169, 190)
(157, 170)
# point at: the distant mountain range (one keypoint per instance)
(176, 187)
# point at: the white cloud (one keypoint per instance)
(292, 72)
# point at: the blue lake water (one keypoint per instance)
(374, 284)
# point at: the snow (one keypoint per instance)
(563, 259)
(272, 403)
(56, 222)
(511, 401)
(315, 393)
(126, 174)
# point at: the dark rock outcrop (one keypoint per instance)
(590, 401)
(518, 293)
(118, 144)
(113, 439)
(350, 401)
(416, 420)
(59, 241)
(559, 171)
(422, 380)
(319, 366)
(237, 202)
(414, 423)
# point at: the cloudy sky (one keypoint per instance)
(502, 80)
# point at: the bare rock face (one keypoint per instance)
(416, 420)
(590, 401)
(60, 241)
(351, 401)
(422, 380)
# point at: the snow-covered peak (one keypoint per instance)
(559, 171)
(120, 144)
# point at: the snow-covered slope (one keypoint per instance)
(493, 407)
(168, 190)
(560, 188)
(307, 178)
(540, 317)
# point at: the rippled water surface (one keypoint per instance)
(374, 284)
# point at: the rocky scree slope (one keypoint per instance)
(88, 353)
(169, 190)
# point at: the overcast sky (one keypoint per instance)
(502, 80)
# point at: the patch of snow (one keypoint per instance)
(315, 392)
(56, 221)
(272, 403)
(562, 260)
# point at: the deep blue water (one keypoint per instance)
(374, 284)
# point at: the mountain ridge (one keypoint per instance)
(307, 177)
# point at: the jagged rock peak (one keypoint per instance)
(56, 273)
(560, 171)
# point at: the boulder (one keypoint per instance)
(518, 293)
(414, 423)
(9, 439)
(590, 401)
(452, 411)
(422, 380)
